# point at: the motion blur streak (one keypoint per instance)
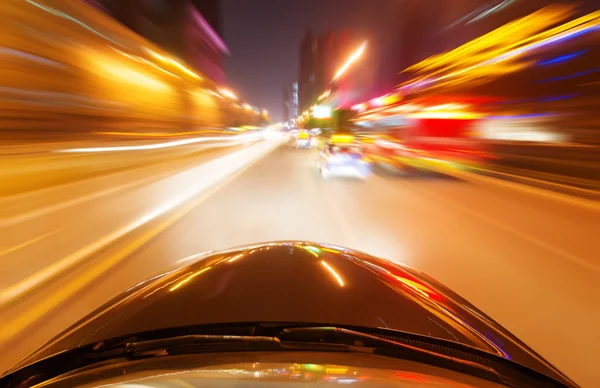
(353, 58)
(333, 272)
(476, 123)
(161, 134)
(510, 47)
(219, 169)
(242, 138)
(188, 278)
(28, 242)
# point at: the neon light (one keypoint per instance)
(558, 98)
(214, 37)
(570, 76)
(562, 58)
(516, 117)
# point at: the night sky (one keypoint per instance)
(264, 38)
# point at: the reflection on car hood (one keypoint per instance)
(257, 370)
(298, 282)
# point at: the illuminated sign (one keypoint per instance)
(321, 112)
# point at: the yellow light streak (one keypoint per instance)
(492, 53)
(353, 58)
(173, 62)
(333, 272)
(188, 278)
(234, 258)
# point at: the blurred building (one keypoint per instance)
(320, 57)
(290, 101)
(311, 79)
(418, 29)
(187, 29)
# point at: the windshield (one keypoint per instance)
(290, 369)
(461, 138)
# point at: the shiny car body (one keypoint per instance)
(304, 143)
(342, 160)
(300, 289)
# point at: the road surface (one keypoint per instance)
(531, 261)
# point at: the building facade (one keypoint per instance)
(290, 101)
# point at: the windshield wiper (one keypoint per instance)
(201, 342)
(290, 337)
(198, 343)
(193, 343)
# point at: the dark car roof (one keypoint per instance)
(298, 282)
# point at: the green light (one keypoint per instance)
(311, 248)
(313, 367)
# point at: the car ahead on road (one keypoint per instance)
(341, 156)
(284, 313)
(304, 139)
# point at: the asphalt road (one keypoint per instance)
(530, 260)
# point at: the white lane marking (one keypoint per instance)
(168, 144)
(216, 170)
(507, 228)
(7, 222)
(29, 242)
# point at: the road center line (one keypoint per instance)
(29, 242)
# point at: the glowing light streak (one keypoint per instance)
(234, 258)
(173, 62)
(562, 58)
(169, 144)
(187, 279)
(565, 31)
(227, 93)
(353, 58)
(333, 272)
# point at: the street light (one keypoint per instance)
(353, 58)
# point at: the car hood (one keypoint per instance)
(297, 282)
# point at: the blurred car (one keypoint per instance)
(286, 313)
(341, 156)
(441, 135)
(304, 140)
